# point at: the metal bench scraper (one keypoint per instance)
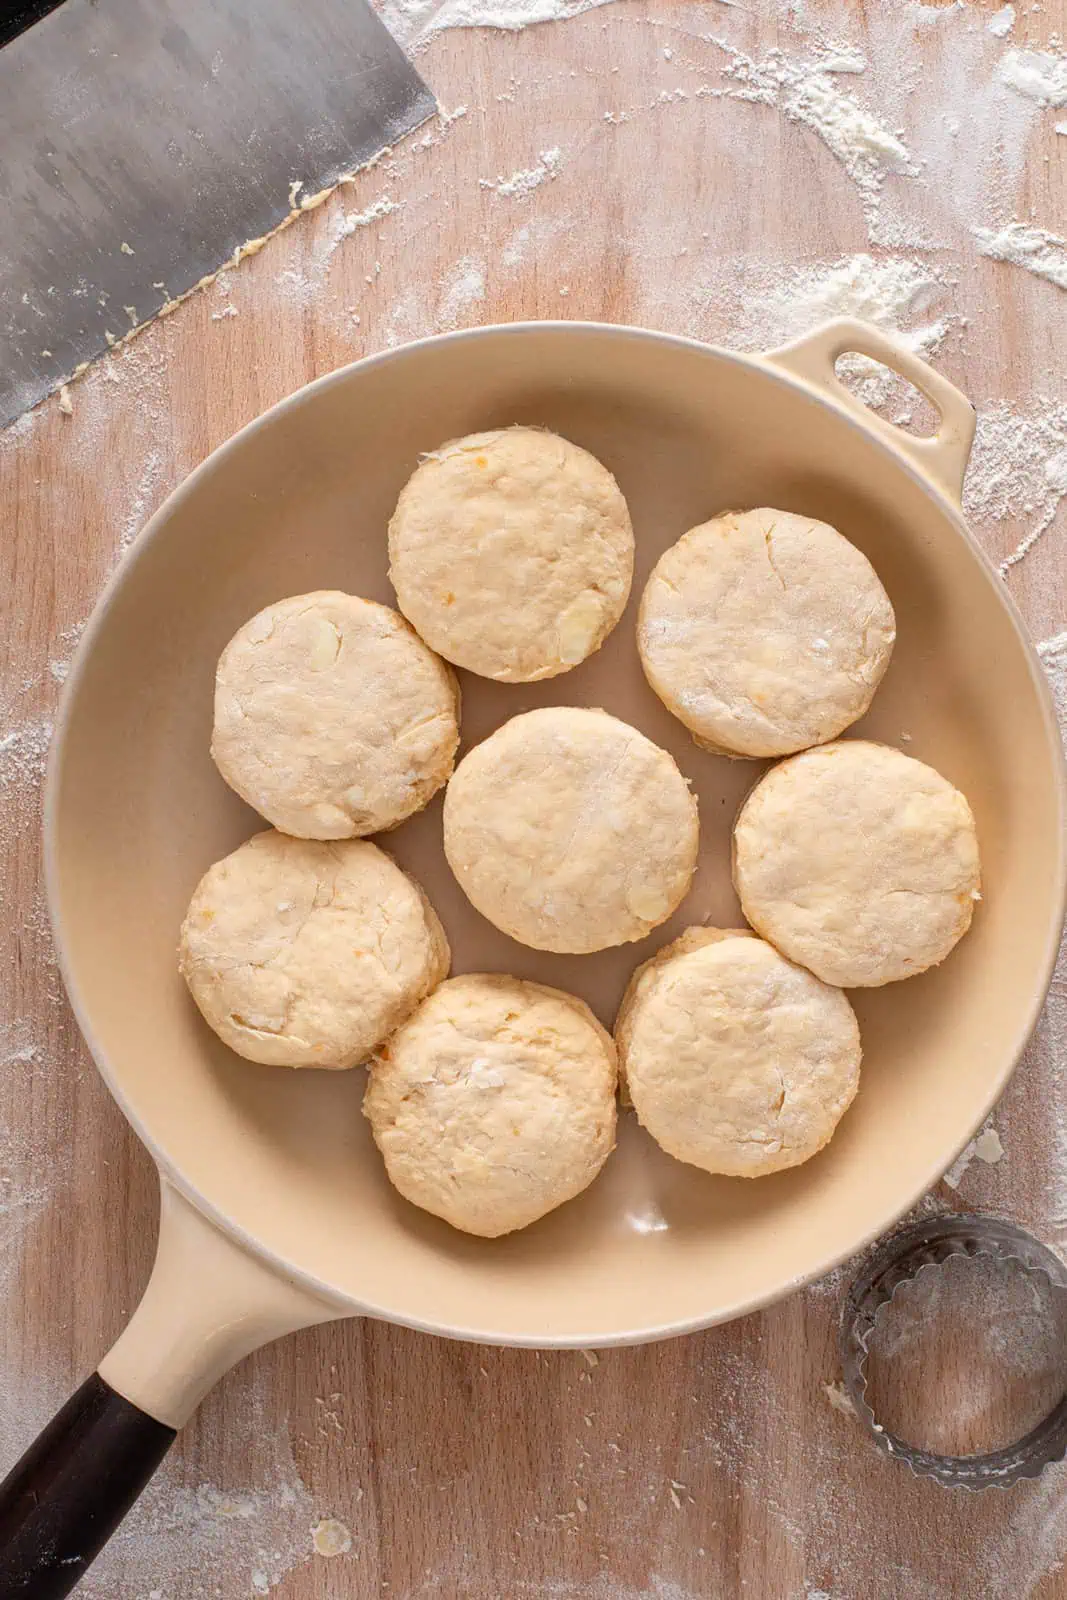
(143, 141)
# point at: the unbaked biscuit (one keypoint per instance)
(332, 718)
(571, 831)
(494, 1103)
(302, 953)
(764, 632)
(857, 861)
(512, 553)
(736, 1060)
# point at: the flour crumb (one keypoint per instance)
(986, 1147)
(66, 404)
(839, 1398)
(526, 180)
(590, 1358)
(330, 1537)
(383, 207)
(125, 248)
(1002, 22)
(227, 311)
(1037, 74)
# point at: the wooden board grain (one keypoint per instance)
(713, 1466)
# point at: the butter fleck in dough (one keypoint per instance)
(306, 953)
(736, 1060)
(859, 862)
(764, 632)
(571, 831)
(494, 1103)
(512, 553)
(332, 718)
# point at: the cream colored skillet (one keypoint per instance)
(275, 1209)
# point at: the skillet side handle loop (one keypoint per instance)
(208, 1303)
(943, 456)
(66, 1496)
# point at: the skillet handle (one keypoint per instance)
(208, 1303)
(943, 456)
(65, 1498)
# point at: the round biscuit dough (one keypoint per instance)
(857, 861)
(764, 632)
(736, 1060)
(571, 831)
(303, 953)
(494, 1103)
(512, 553)
(332, 718)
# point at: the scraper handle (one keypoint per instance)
(65, 1498)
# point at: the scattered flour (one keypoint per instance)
(805, 91)
(463, 289)
(1024, 245)
(1037, 74)
(1002, 22)
(1018, 467)
(179, 1534)
(23, 754)
(145, 494)
(894, 292)
(1053, 653)
(525, 181)
(414, 22)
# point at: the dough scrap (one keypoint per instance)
(764, 632)
(306, 953)
(512, 553)
(857, 861)
(332, 718)
(494, 1103)
(571, 831)
(737, 1061)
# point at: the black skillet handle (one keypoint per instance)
(62, 1502)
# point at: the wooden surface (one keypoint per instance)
(713, 1466)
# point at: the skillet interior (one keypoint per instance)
(300, 500)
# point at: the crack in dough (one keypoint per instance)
(571, 831)
(494, 1103)
(736, 1060)
(302, 953)
(512, 553)
(859, 862)
(764, 632)
(332, 718)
